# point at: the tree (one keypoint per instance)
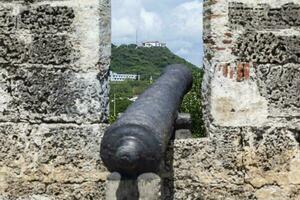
(192, 104)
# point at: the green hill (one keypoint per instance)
(151, 62)
(144, 61)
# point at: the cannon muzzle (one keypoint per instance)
(137, 141)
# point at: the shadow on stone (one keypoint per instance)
(145, 187)
(128, 189)
(167, 174)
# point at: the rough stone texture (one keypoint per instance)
(263, 16)
(54, 95)
(240, 164)
(282, 85)
(51, 159)
(54, 59)
(267, 48)
(251, 106)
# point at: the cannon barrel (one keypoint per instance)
(137, 141)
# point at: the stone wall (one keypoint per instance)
(251, 104)
(54, 58)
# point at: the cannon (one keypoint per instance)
(136, 143)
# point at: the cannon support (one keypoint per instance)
(137, 141)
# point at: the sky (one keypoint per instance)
(175, 22)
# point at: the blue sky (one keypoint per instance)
(176, 22)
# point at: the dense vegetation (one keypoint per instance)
(144, 61)
(150, 62)
(192, 104)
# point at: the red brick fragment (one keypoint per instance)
(220, 48)
(220, 67)
(227, 41)
(247, 71)
(231, 72)
(243, 71)
(225, 70)
(228, 34)
(209, 17)
(240, 72)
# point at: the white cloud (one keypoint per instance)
(129, 16)
(150, 21)
(122, 27)
(177, 22)
(188, 19)
(191, 50)
(182, 51)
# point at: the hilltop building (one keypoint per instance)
(122, 77)
(154, 44)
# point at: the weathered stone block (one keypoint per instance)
(203, 170)
(267, 48)
(45, 159)
(5, 97)
(54, 58)
(52, 50)
(84, 191)
(7, 19)
(54, 95)
(51, 33)
(263, 16)
(280, 85)
(12, 49)
(271, 157)
(47, 19)
(251, 93)
(264, 39)
(236, 163)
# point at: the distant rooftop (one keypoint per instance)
(153, 44)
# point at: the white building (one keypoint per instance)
(154, 44)
(133, 99)
(122, 77)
